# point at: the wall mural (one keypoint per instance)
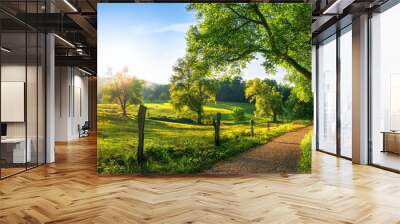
(216, 89)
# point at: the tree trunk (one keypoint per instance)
(216, 124)
(123, 107)
(141, 121)
(252, 127)
(274, 116)
(199, 117)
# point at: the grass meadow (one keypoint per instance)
(173, 143)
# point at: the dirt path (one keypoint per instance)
(279, 155)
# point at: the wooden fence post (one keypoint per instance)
(216, 124)
(141, 121)
(252, 127)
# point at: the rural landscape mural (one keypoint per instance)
(204, 88)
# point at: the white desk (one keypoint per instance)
(19, 155)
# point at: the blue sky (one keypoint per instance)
(148, 38)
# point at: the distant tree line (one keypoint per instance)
(156, 93)
(232, 89)
(277, 100)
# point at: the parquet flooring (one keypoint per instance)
(70, 191)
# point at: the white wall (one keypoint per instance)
(71, 102)
(16, 73)
(10, 73)
(33, 126)
(62, 82)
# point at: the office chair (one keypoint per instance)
(84, 130)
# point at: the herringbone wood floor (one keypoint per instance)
(70, 191)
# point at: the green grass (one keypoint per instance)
(175, 147)
(305, 159)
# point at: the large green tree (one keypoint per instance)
(192, 86)
(234, 34)
(123, 90)
(267, 98)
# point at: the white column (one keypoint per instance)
(360, 90)
(50, 94)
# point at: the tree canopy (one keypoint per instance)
(123, 90)
(267, 98)
(229, 32)
(192, 86)
(232, 34)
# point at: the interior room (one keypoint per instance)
(48, 112)
(385, 88)
(45, 82)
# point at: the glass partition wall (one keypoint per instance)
(385, 89)
(22, 98)
(334, 104)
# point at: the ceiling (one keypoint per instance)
(73, 21)
(332, 15)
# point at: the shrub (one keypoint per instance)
(176, 120)
(238, 114)
(305, 159)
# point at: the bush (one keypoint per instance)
(176, 120)
(305, 159)
(238, 114)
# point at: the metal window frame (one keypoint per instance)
(339, 32)
(386, 6)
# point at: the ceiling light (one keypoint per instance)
(65, 41)
(70, 5)
(337, 7)
(86, 72)
(5, 50)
